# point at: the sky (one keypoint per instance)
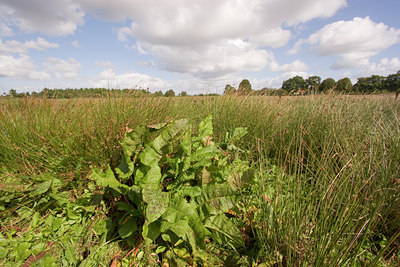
(193, 46)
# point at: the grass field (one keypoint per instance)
(326, 193)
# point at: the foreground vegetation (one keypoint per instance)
(323, 170)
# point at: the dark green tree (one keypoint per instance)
(244, 87)
(344, 85)
(229, 90)
(158, 94)
(12, 93)
(327, 84)
(169, 93)
(183, 93)
(392, 83)
(313, 83)
(293, 84)
(368, 85)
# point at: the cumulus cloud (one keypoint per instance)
(21, 67)
(210, 61)
(354, 41)
(109, 79)
(46, 16)
(210, 38)
(13, 46)
(5, 30)
(62, 69)
(384, 67)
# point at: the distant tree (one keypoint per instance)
(313, 83)
(169, 93)
(183, 93)
(392, 83)
(244, 87)
(293, 84)
(229, 90)
(158, 94)
(368, 85)
(12, 93)
(344, 85)
(327, 84)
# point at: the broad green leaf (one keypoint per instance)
(179, 216)
(224, 230)
(42, 188)
(35, 220)
(151, 231)
(157, 203)
(186, 142)
(133, 140)
(23, 251)
(127, 229)
(205, 130)
(125, 168)
(205, 153)
(107, 179)
(236, 135)
(169, 132)
(191, 191)
(149, 156)
(70, 253)
(216, 198)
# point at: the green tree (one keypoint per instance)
(313, 83)
(368, 85)
(327, 84)
(229, 90)
(244, 87)
(344, 85)
(169, 93)
(293, 84)
(158, 94)
(12, 93)
(392, 83)
(183, 93)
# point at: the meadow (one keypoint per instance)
(325, 190)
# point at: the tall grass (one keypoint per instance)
(330, 165)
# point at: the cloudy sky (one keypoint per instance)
(197, 46)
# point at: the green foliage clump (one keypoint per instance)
(294, 84)
(169, 93)
(344, 85)
(173, 188)
(244, 87)
(327, 84)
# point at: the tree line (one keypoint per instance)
(297, 85)
(93, 93)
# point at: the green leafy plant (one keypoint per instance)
(175, 188)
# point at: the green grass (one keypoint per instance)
(329, 166)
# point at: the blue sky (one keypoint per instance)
(193, 46)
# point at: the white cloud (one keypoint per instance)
(109, 79)
(76, 44)
(274, 38)
(384, 67)
(62, 69)
(13, 46)
(354, 41)
(210, 61)
(59, 17)
(21, 67)
(295, 66)
(209, 38)
(5, 30)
